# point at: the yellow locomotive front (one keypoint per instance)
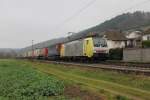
(96, 47)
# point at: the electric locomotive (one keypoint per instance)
(91, 47)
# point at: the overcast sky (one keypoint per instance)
(24, 20)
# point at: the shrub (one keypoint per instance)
(119, 97)
(146, 44)
(116, 54)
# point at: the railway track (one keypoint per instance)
(129, 64)
(126, 69)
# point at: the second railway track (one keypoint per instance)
(125, 68)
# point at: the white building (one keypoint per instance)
(115, 39)
(146, 35)
(134, 39)
(133, 35)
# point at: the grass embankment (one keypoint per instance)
(115, 86)
(19, 81)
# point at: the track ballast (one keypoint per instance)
(120, 68)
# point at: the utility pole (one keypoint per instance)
(32, 49)
(142, 47)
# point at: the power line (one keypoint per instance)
(77, 13)
(80, 10)
(91, 3)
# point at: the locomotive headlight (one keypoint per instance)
(107, 51)
(94, 51)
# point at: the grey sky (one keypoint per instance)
(24, 20)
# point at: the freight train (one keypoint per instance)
(87, 48)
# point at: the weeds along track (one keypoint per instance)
(129, 64)
(144, 70)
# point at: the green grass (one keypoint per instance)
(132, 80)
(115, 86)
(19, 81)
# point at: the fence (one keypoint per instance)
(136, 55)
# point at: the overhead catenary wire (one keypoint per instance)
(80, 10)
(91, 3)
(76, 13)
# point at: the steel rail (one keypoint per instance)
(125, 69)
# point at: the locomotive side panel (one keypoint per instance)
(74, 49)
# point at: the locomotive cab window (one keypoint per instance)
(99, 42)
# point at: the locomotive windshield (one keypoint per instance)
(99, 42)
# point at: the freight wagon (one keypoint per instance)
(54, 51)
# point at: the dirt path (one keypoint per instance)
(74, 91)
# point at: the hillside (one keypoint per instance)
(125, 22)
(122, 22)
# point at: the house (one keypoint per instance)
(134, 39)
(146, 35)
(115, 39)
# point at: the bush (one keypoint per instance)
(146, 44)
(119, 97)
(116, 54)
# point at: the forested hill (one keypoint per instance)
(123, 22)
